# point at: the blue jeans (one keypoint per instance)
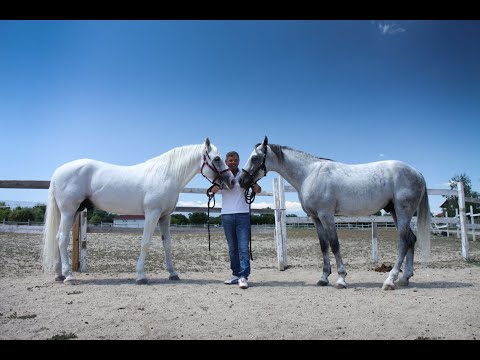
(237, 232)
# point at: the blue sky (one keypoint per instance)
(352, 91)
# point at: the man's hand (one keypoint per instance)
(215, 189)
(256, 188)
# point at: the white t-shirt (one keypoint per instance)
(233, 200)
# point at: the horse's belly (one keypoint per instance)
(120, 206)
(358, 208)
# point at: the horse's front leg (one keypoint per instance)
(63, 271)
(327, 269)
(328, 222)
(167, 245)
(151, 220)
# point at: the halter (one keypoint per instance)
(211, 165)
(251, 175)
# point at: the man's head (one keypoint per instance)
(232, 160)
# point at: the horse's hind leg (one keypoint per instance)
(405, 245)
(408, 269)
(58, 267)
(64, 271)
(167, 245)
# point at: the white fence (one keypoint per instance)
(439, 224)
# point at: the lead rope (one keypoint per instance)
(249, 199)
(211, 197)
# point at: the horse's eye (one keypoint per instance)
(216, 158)
(254, 158)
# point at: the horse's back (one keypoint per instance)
(78, 171)
(394, 173)
(363, 189)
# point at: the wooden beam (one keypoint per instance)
(24, 184)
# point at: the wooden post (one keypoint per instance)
(472, 221)
(79, 247)
(280, 222)
(374, 243)
(463, 220)
(83, 241)
(76, 243)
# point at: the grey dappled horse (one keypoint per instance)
(327, 188)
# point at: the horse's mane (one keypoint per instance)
(278, 151)
(168, 162)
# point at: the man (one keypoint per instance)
(236, 224)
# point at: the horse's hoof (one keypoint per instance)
(322, 283)
(388, 287)
(142, 281)
(59, 278)
(173, 277)
(340, 286)
(402, 283)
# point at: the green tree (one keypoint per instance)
(262, 219)
(96, 219)
(22, 214)
(215, 220)
(197, 218)
(451, 204)
(103, 216)
(178, 219)
(39, 212)
(4, 211)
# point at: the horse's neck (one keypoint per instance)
(293, 168)
(191, 166)
(183, 164)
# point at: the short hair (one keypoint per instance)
(232, 153)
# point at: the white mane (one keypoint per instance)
(178, 161)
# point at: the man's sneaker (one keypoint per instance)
(242, 283)
(232, 280)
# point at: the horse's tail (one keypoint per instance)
(423, 227)
(50, 256)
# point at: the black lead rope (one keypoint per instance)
(249, 199)
(211, 197)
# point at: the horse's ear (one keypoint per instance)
(265, 141)
(207, 143)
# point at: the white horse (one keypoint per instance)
(151, 189)
(327, 188)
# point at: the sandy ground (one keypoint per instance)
(442, 301)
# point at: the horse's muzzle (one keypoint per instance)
(245, 181)
(231, 184)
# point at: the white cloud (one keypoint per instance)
(389, 28)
